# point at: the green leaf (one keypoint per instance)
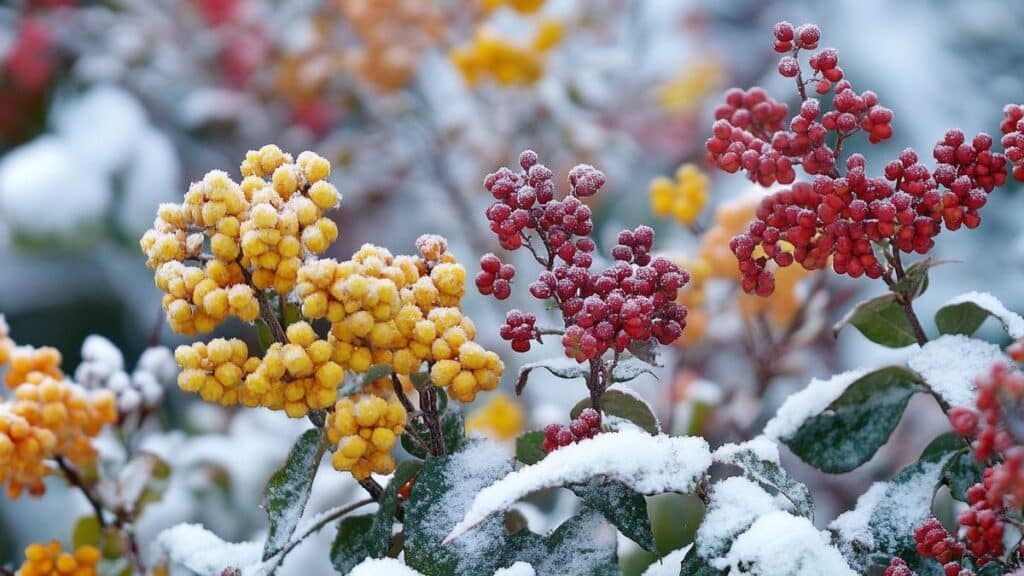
(881, 320)
(623, 405)
(578, 547)
(263, 335)
(292, 314)
(857, 423)
(288, 490)
(373, 373)
(620, 505)
(631, 368)
(561, 367)
(963, 472)
(86, 532)
(915, 279)
(453, 432)
(963, 318)
(694, 565)
(529, 447)
(907, 500)
(369, 536)
(772, 476)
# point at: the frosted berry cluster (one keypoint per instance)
(632, 300)
(586, 425)
(838, 217)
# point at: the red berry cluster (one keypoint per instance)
(836, 217)
(1001, 491)
(629, 301)
(586, 425)
(494, 277)
(934, 541)
(519, 329)
(898, 567)
(1013, 138)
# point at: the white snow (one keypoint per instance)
(854, 526)
(950, 363)
(517, 569)
(102, 126)
(669, 565)
(1012, 321)
(98, 349)
(202, 552)
(780, 544)
(647, 464)
(762, 447)
(153, 176)
(810, 401)
(735, 504)
(382, 567)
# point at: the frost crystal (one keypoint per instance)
(382, 567)
(950, 363)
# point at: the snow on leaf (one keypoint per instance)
(620, 505)
(881, 524)
(382, 567)
(561, 367)
(735, 504)
(950, 363)
(517, 569)
(759, 459)
(965, 313)
(202, 552)
(583, 545)
(288, 490)
(630, 369)
(668, 565)
(647, 464)
(810, 401)
(780, 544)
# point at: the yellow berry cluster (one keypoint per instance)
(682, 198)
(49, 418)
(461, 366)
(257, 233)
(507, 62)
(500, 419)
(365, 428)
(26, 360)
(6, 344)
(51, 560)
(215, 370)
(298, 376)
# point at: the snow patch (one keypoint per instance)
(517, 569)
(1012, 321)
(202, 552)
(647, 464)
(669, 565)
(780, 544)
(735, 504)
(810, 401)
(950, 363)
(382, 567)
(762, 447)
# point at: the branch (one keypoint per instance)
(320, 522)
(76, 480)
(266, 312)
(428, 403)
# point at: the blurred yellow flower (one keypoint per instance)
(688, 90)
(500, 419)
(682, 198)
(507, 62)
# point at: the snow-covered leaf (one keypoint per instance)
(584, 545)
(369, 536)
(759, 459)
(950, 363)
(529, 447)
(736, 503)
(631, 368)
(288, 490)
(965, 313)
(694, 565)
(647, 464)
(202, 553)
(382, 567)
(963, 471)
(839, 424)
(561, 367)
(625, 404)
(780, 544)
(625, 508)
(882, 523)
(881, 320)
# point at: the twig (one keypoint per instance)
(266, 312)
(410, 409)
(76, 480)
(323, 520)
(428, 404)
(371, 486)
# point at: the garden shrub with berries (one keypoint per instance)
(377, 358)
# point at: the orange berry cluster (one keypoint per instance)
(365, 428)
(51, 560)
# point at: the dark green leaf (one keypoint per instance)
(963, 472)
(453, 431)
(694, 565)
(529, 447)
(881, 320)
(857, 423)
(561, 367)
(623, 405)
(963, 318)
(288, 490)
(915, 279)
(579, 547)
(263, 335)
(368, 536)
(620, 505)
